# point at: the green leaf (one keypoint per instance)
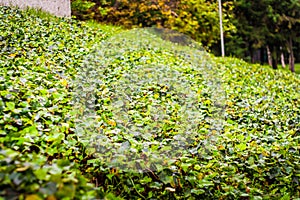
(31, 131)
(41, 174)
(205, 183)
(10, 105)
(197, 191)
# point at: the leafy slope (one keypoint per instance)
(256, 154)
(38, 57)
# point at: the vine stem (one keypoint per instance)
(136, 189)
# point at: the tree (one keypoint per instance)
(266, 25)
(289, 23)
(251, 30)
(196, 18)
(200, 20)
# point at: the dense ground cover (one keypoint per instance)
(254, 155)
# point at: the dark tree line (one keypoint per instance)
(267, 31)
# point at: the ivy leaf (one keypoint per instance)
(10, 106)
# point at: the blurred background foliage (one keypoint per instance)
(258, 31)
(197, 18)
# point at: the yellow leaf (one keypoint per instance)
(22, 169)
(32, 197)
(221, 147)
(112, 123)
(229, 103)
(264, 153)
(209, 165)
(200, 176)
(52, 197)
(64, 82)
(207, 102)
(12, 55)
(277, 147)
(253, 144)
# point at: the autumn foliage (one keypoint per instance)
(197, 18)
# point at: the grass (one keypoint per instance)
(104, 27)
(297, 68)
(39, 13)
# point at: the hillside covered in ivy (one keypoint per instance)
(90, 111)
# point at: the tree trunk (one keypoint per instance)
(262, 56)
(282, 58)
(274, 62)
(273, 52)
(251, 55)
(291, 55)
(269, 55)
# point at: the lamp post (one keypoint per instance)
(221, 29)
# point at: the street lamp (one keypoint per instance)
(221, 29)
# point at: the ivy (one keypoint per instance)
(87, 112)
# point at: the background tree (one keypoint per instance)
(289, 23)
(255, 30)
(197, 18)
(200, 20)
(265, 26)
